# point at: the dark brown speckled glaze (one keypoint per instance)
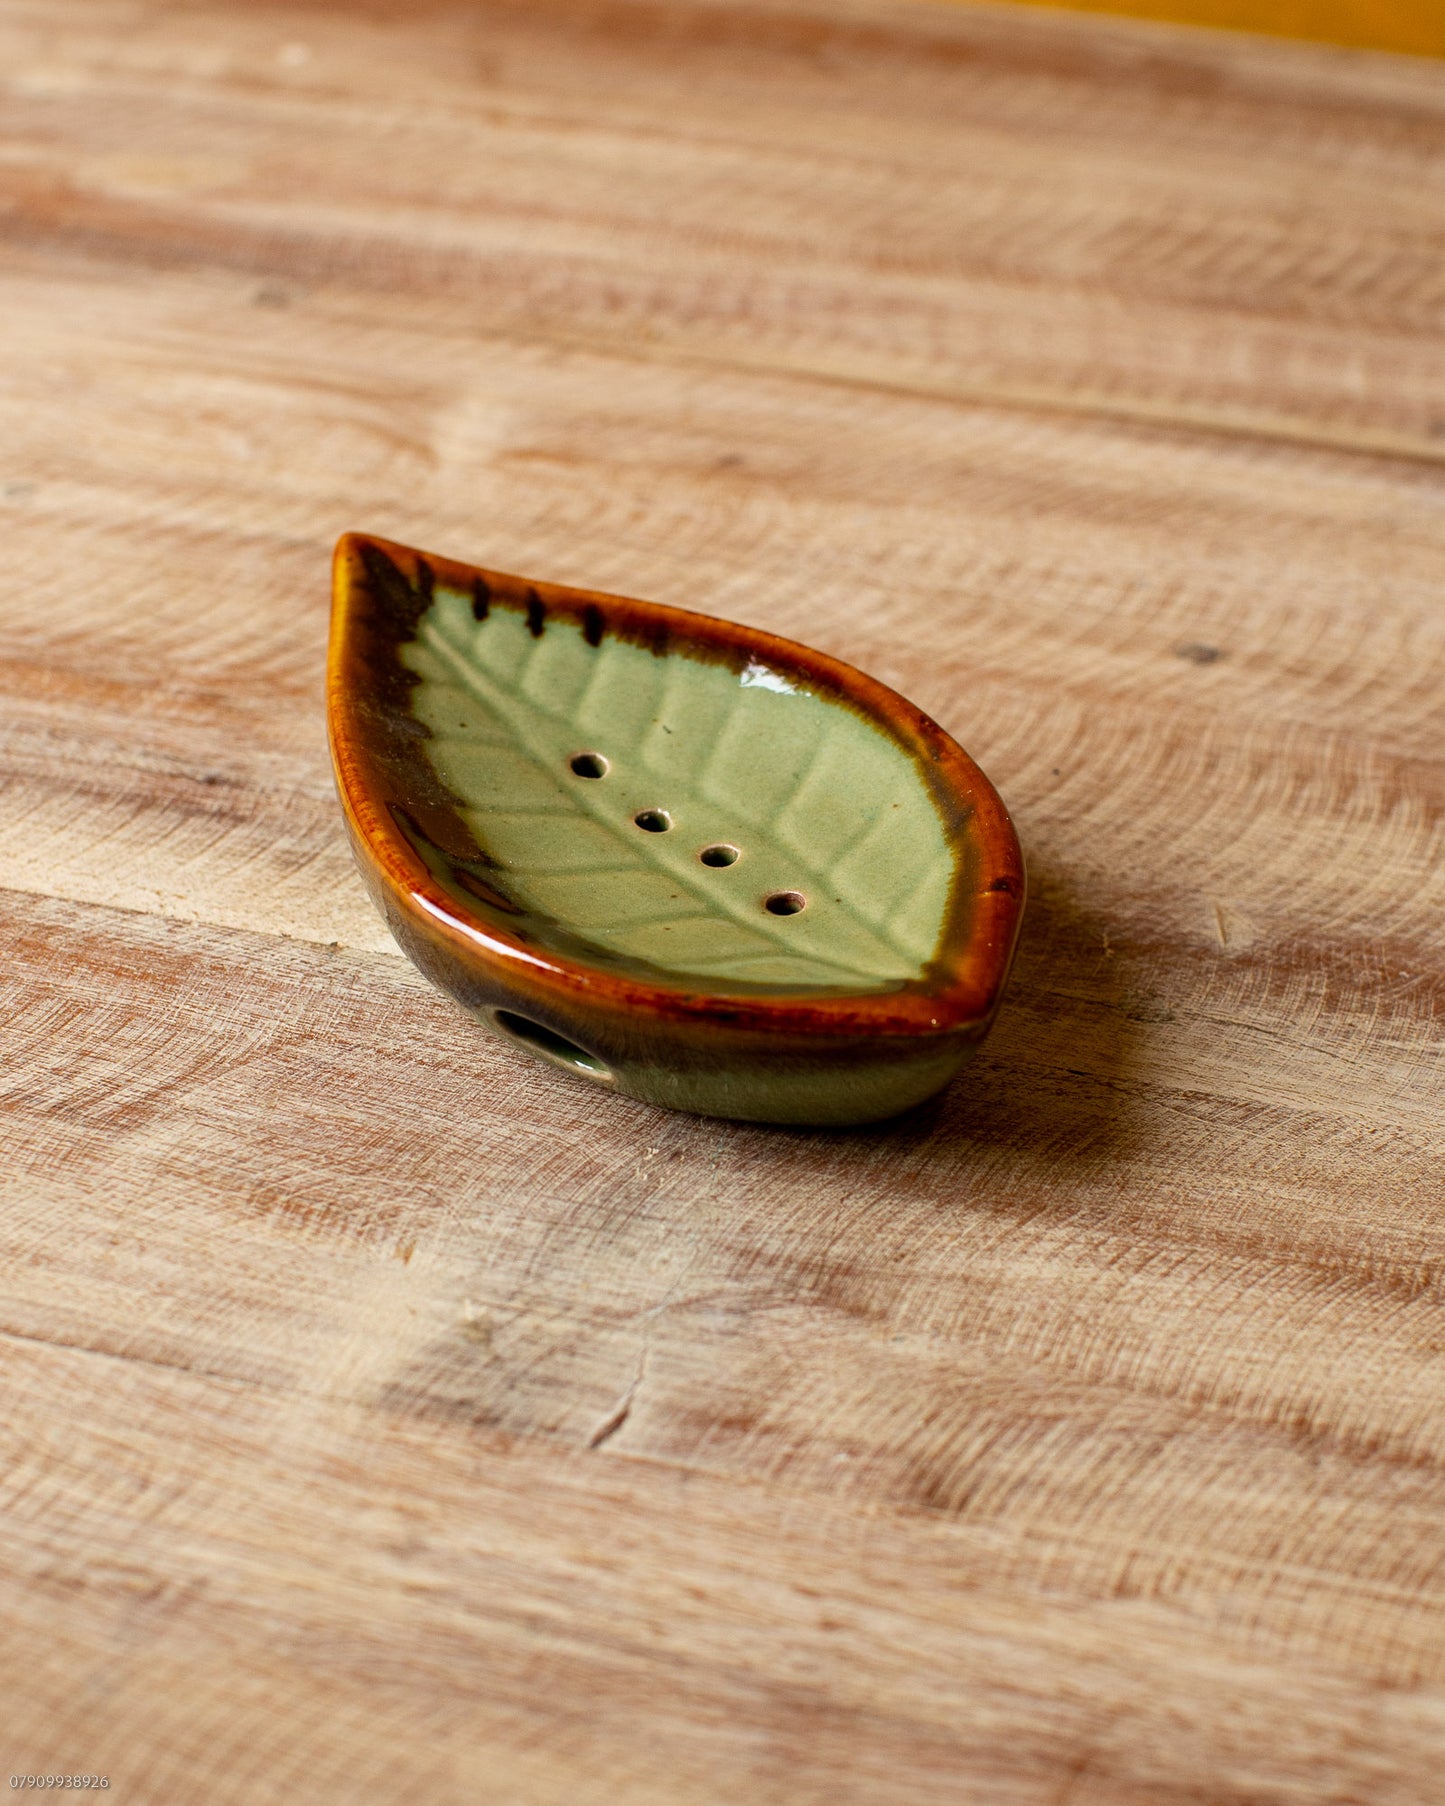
(808, 1053)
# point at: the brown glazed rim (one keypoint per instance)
(961, 987)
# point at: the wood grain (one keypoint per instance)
(388, 1418)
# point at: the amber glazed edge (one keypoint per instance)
(806, 1059)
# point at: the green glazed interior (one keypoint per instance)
(818, 804)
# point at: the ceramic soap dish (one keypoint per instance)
(685, 859)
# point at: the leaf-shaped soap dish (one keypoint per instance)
(687, 859)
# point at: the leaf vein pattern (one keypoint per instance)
(469, 674)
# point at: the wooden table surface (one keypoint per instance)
(389, 1419)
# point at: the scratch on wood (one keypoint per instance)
(611, 1424)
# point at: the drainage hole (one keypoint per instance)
(785, 902)
(721, 854)
(653, 821)
(589, 765)
(537, 1038)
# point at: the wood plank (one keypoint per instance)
(387, 1611)
(1046, 588)
(347, 1305)
(390, 1417)
(948, 201)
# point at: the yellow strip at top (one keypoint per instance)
(1416, 26)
